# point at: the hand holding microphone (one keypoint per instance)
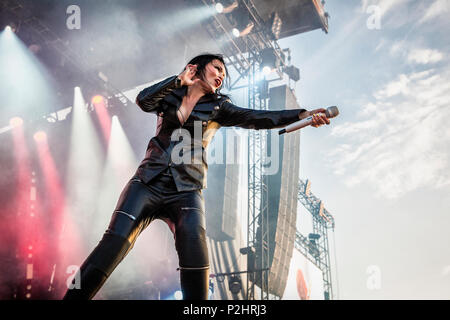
(317, 117)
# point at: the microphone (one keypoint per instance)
(331, 112)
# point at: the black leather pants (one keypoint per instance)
(139, 204)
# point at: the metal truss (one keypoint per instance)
(51, 39)
(237, 51)
(258, 211)
(317, 250)
(244, 55)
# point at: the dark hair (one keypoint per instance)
(202, 60)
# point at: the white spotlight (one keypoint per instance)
(15, 122)
(266, 70)
(219, 7)
(178, 295)
(8, 29)
(235, 32)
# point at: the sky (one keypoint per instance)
(382, 167)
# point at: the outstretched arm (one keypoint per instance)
(231, 115)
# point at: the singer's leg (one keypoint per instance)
(190, 242)
(133, 213)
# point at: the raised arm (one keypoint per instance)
(149, 99)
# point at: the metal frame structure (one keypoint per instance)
(246, 62)
(243, 55)
(50, 38)
(317, 252)
(258, 210)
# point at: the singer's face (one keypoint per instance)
(214, 74)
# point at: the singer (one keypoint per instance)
(171, 191)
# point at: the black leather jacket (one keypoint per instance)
(210, 113)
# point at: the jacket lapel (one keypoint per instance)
(205, 104)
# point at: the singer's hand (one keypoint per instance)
(318, 117)
(188, 74)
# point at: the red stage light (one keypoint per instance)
(97, 99)
(100, 105)
(15, 122)
(40, 136)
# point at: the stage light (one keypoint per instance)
(266, 70)
(11, 28)
(219, 7)
(245, 31)
(234, 284)
(40, 136)
(293, 72)
(313, 236)
(251, 257)
(313, 249)
(241, 21)
(97, 99)
(269, 61)
(274, 25)
(178, 295)
(15, 122)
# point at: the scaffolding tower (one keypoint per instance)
(315, 247)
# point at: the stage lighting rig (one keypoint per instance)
(229, 7)
(11, 27)
(251, 257)
(242, 22)
(219, 7)
(269, 60)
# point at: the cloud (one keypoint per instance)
(425, 56)
(391, 12)
(394, 88)
(413, 54)
(402, 140)
(446, 271)
(439, 7)
(368, 109)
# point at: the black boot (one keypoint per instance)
(92, 280)
(99, 266)
(194, 283)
